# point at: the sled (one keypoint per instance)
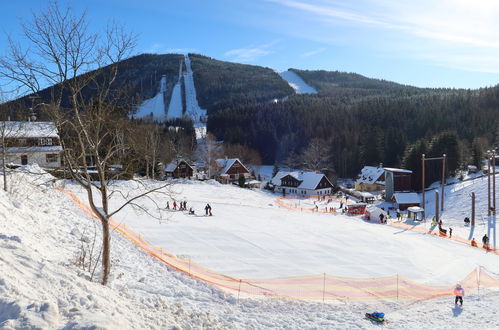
(377, 319)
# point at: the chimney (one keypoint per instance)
(380, 165)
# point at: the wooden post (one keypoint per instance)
(422, 186)
(443, 180)
(473, 209)
(437, 216)
(488, 183)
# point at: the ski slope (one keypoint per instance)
(193, 109)
(155, 105)
(295, 81)
(41, 231)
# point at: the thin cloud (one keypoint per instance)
(313, 52)
(251, 53)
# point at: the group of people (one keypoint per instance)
(207, 210)
(182, 206)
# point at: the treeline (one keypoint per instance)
(372, 130)
(222, 84)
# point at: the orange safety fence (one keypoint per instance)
(313, 287)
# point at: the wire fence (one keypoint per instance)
(313, 287)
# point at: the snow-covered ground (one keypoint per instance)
(41, 231)
(295, 81)
(155, 105)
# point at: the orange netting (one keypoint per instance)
(312, 287)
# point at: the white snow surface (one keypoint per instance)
(296, 82)
(41, 231)
(155, 105)
(175, 107)
(193, 109)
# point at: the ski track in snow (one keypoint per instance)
(40, 287)
(296, 82)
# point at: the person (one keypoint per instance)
(341, 205)
(209, 210)
(167, 205)
(466, 221)
(485, 241)
(450, 232)
(381, 218)
(206, 208)
(459, 292)
(174, 205)
(434, 221)
(191, 211)
(440, 223)
(473, 242)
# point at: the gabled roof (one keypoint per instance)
(406, 198)
(173, 165)
(309, 180)
(370, 175)
(28, 129)
(226, 164)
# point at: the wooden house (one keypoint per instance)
(179, 168)
(229, 169)
(371, 178)
(31, 142)
(302, 183)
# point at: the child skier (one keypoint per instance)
(459, 292)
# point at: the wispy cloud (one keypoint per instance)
(314, 52)
(250, 53)
(463, 28)
(159, 48)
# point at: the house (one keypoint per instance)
(302, 183)
(405, 200)
(371, 178)
(229, 169)
(31, 142)
(396, 180)
(179, 168)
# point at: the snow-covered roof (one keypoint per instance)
(370, 175)
(406, 198)
(34, 149)
(226, 164)
(173, 165)
(309, 180)
(28, 129)
(400, 170)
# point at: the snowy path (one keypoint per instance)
(296, 82)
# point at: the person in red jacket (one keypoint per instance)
(459, 292)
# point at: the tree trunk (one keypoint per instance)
(106, 251)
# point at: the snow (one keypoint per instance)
(175, 107)
(370, 174)
(155, 105)
(407, 198)
(193, 108)
(295, 81)
(309, 180)
(29, 129)
(34, 149)
(41, 231)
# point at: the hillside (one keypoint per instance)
(42, 230)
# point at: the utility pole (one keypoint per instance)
(473, 209)
(437, 215)
(444, 158)
(422, 185)
(488, 183)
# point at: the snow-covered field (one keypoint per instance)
(40, 287)
(295, 81)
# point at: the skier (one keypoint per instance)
(485, 241)
(167, 205)
(473, 242)
(450, 232)
(459, 292)
(434, 221)
(174, 205)
(381, 218)
(466, 221)
(209, 210)
(206, 208)
(191, 211)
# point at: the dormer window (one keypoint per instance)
(45, 142)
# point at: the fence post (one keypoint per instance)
(324, 288)
(397, 287)
(239, 291)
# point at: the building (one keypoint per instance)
(302, 183)
(229, 169)
(396, 180)
(403, 201)
(179, 168)
(31, 142)
(371, 178)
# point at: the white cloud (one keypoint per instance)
(250, 53)
(313, 52)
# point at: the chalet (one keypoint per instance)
(229, 170)
(31, 142)
(179, 168)
(371, 178)
(302, 183)
(405, 200)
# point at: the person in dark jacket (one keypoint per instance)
(485, 241)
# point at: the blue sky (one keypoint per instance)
(453, 43)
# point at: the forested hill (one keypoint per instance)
(221, 84)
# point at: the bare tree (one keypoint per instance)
(316, 156)
(94, 130)
(208, 151)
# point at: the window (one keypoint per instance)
(45, 142)
(51, 158)
(24, 159)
